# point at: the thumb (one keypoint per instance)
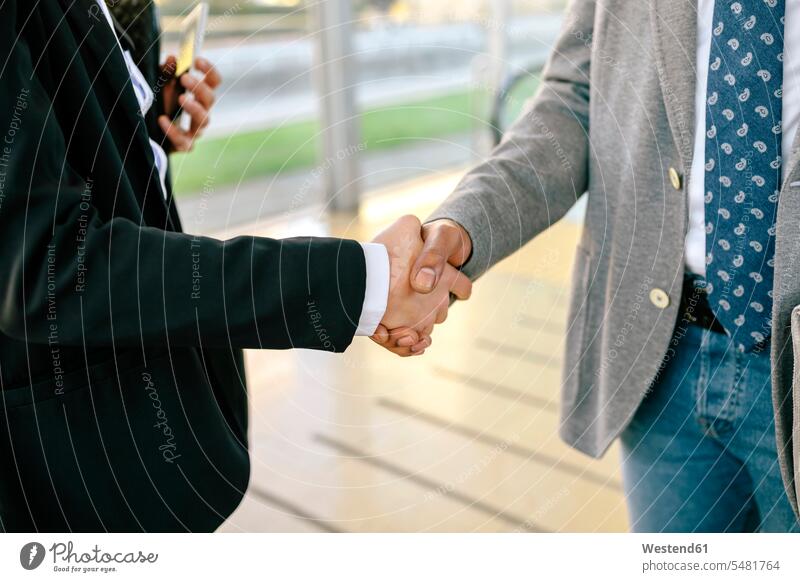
(381, 335)
(429, 266)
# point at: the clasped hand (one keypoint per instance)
(196, 100)
(422, 280)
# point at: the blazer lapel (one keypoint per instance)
(674, 24)
(91, 28)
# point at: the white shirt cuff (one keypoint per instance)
(377, 288)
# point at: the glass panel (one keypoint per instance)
(425, 93)
(264, 123)
(427, 83)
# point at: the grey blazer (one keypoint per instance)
(614, 118)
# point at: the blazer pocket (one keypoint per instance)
(62, 384)
(140, 448)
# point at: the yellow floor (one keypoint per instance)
(461, 439)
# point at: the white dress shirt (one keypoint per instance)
(375, 255)
(377, 288)
(790, 117)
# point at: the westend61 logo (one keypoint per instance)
(67, 559)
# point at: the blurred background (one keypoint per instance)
(335, 118)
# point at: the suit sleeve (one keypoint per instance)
(539, 170)
(70, 277)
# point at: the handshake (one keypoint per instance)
(423, 263)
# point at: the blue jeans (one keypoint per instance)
(700, 453)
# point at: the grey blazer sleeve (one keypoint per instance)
(539, 169)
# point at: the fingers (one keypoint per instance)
(211, 75)
(430, 255)
(403, 341)
(381, 335)
(404, 337)
(196, 102)
(183, 141)
(404, 352)
(461, 286)
(180, 141)
(424, 343)
(197, 113)
(445, 242)
(406, 341)
(452, 282)
(457, 284)
(201, 90)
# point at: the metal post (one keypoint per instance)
(335, 85)
(488, 72)
(497, 41)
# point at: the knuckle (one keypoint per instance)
(411, 219)
(435, 255)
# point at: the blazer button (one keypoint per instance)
(659, 298)
(675, 179)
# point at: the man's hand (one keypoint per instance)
(446, 242)
(409, 315)
(402, 341)
(196, 101)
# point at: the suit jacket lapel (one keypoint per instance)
(91, 28)
(674, 24)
